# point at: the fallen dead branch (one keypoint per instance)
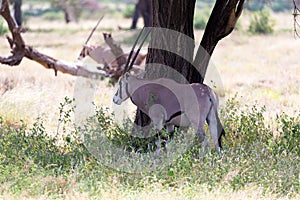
(296, 14)
(21, 50)
(110, 61)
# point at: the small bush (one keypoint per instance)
(3, 28)
(129, 11)
(281, 6)
(33, 162)
(52, 16)
(62, 152)
(261, 23)
(200, 20)
(254, 5)
(289, 138)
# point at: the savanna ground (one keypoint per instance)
(260, 74)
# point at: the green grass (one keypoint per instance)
(255, 155)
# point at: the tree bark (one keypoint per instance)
(177, 16)
(220, 24)
(17, 43)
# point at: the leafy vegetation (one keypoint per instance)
(129, 11)
(200, 21)
(3, 28)
(275, 5)
(256, 154)
(261, 23)
(48, 13)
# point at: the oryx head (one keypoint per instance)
(122, 93)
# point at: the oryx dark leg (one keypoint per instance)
(202, 138)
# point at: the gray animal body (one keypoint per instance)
(169, 103)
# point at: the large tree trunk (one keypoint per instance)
(178, 15)
(174, 15)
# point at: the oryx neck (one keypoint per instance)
(133, 83)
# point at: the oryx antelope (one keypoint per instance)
(169, 103)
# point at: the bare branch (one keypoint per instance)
(221, 23)
(113, 67)
(81, 55)
(20, 50)
(296, 23)
(230, 15)
(74, 69)
(17, 43)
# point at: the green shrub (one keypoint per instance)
(3, 28)
(265, 156)
(275, 5)
(52, 16)
(252, 155)
(261, 23)
(289, 138)
(254, 5)
(281, 6)
(129, 11)
(200, 18)
(61, 152)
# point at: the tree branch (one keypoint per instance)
(220, 24)
(17, 43)
(74, 69)
(20, 50)
(296, 23)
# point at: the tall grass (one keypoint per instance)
(255, 155)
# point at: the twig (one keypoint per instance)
(17, 43)
(296, 23)
(20, 50)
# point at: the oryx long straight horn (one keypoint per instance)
(132, 50)
(89, 37)
(139, 49)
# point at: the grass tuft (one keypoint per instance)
(254, 156)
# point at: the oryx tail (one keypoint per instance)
(214, 109)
